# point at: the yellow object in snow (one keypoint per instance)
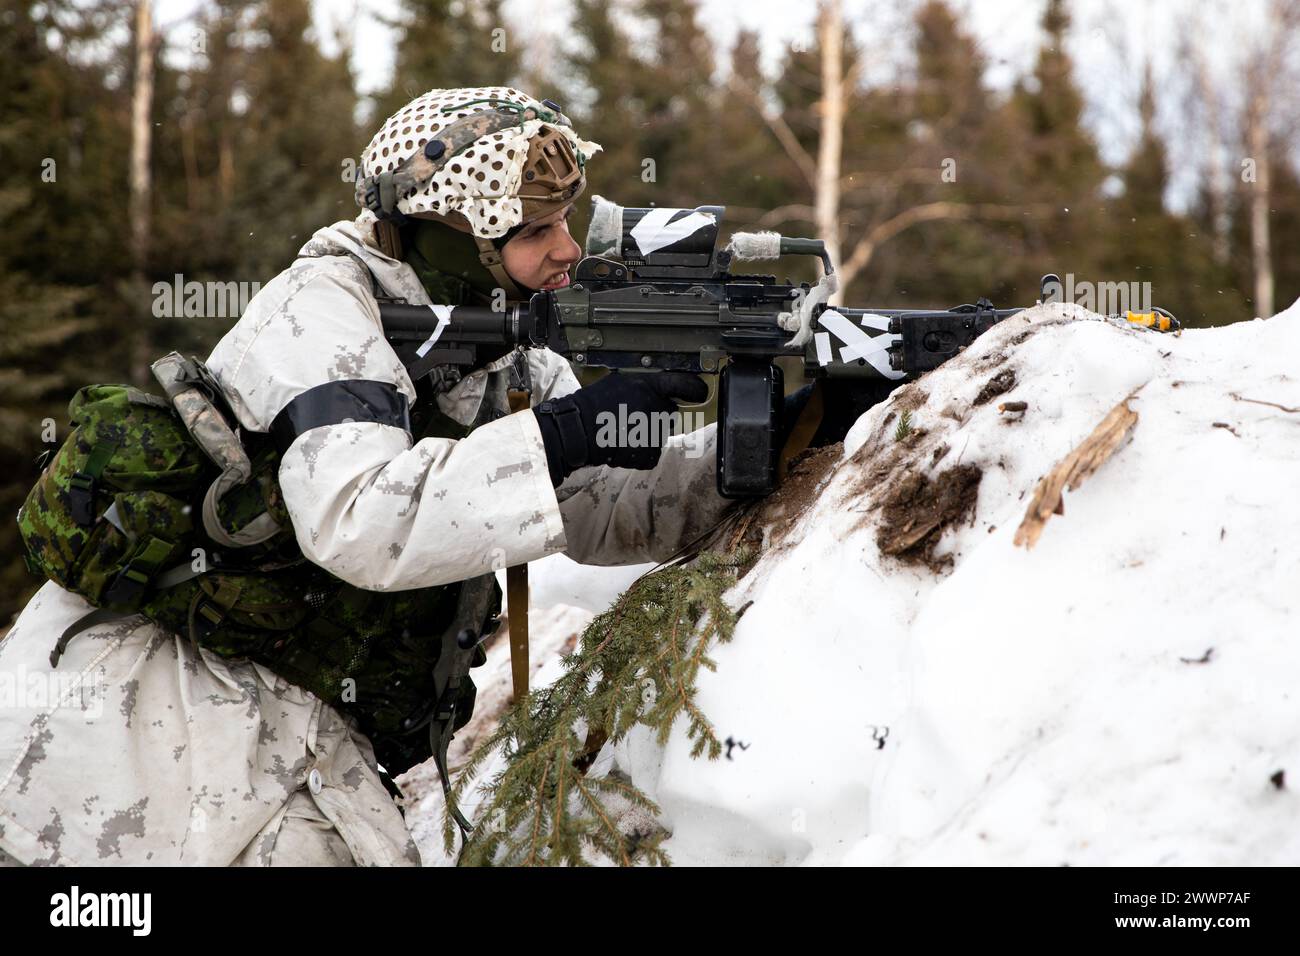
(1160, 321)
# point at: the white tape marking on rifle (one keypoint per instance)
(443, 312)
(860, 345)
(654, 231)
(823, 342)
(878, 322)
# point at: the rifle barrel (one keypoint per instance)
(468, 323)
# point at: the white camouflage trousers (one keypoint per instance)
(143, 749)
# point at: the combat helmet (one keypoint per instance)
(484, 160)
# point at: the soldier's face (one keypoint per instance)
(541, 254)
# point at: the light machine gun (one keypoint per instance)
(654, 292)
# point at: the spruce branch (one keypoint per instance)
(541, 808)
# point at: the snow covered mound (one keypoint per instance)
(911, 686)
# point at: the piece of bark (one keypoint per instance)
(1074, 468)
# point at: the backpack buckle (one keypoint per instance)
(85, 483)
(139, 572)
(209, 609)
(208, 615)
(81, 498)
(127, 588)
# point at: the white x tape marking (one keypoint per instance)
(443, 312)
(654, 231)
(860, 345)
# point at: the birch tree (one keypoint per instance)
(140, 184)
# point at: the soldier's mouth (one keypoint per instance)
(558, 281)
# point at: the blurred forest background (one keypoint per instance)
(124, 169)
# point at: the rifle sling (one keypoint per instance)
(517, 595)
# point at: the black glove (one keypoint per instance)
(575, 439)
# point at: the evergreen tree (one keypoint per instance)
(297, 136)
(62, 203)
(751, 171)
(1284, 224)
(1061, 155)
(1057, 162)
(611, 101)
(1286, 231)
(957, 152)
(448, 44)
(949, 92)
(1148, 244)
(680, 134)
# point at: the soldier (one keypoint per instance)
(396, 492)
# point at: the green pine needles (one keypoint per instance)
(636, 663)
(904, 427)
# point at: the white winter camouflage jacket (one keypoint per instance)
(141, 748)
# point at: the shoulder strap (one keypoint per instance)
(188, 385)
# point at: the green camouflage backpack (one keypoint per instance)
(138, 509)
(160, 507)
(127, 459)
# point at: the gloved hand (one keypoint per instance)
(573, 435)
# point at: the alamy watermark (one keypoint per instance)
(202, 300)
(1107, 298)
(76, 908)
(638, 429)
(42, 690)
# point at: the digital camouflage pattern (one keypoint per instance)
(164, 752)
(142, 749)
(341, 642)
(127, 451)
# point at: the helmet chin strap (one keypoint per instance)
(490, 256)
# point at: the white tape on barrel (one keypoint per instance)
(822, 340)
(655, 230)
(443, 312)
(860, 345)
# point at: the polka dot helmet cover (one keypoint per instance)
(480, 183)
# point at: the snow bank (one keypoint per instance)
(564, 596)
(1126, 692)
(552, 632)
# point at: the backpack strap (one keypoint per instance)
(208, 610)
(101, 615)
(85, 483)
(192, 395)
(460, 649)
(460, 641)
(139, 573)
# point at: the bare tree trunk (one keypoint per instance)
(225, 165)
(141, 131)
(826, 202)
(1215, 174)
(1257, 141)
(189, 153)
(1266, 79)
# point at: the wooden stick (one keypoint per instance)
(1070, 472)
